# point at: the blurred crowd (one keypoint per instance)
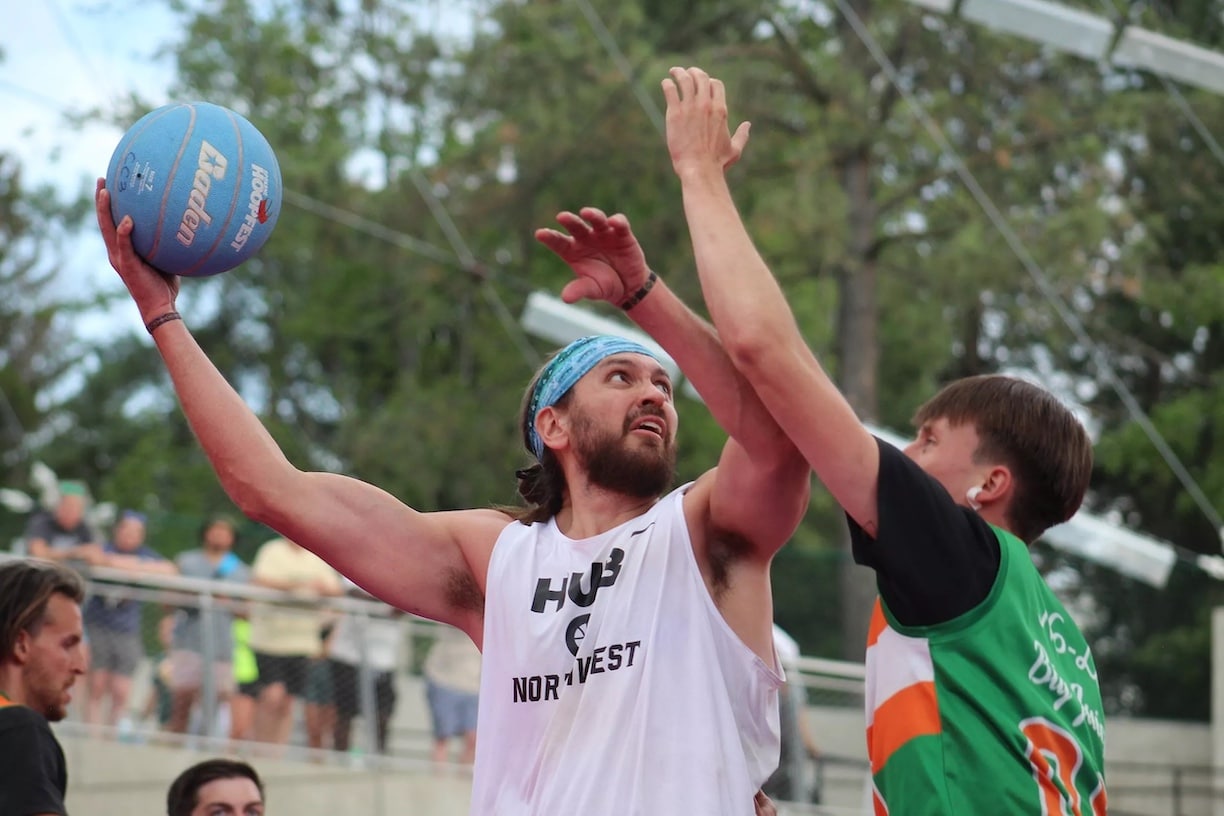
(274, 673)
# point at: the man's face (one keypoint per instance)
(55, 659)
(624, 426)
(129, 534)
(946, 452)
(69, 512)
(236, 796)
(219, 537)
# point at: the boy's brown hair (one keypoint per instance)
(1025, 428)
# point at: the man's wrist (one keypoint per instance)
(700, 173)
(162, 319)
(640, 295)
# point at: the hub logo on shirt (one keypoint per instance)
(603, 574)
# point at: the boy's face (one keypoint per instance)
(947, 452)
(235, 796)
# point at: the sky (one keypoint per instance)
(61, 56)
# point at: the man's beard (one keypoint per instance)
(45, 697)
(640, 472)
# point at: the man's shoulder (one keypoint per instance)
(39, 523)
(21, 720)
(194, 564)
(482, 525)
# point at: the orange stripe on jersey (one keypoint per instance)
(878, 807)
(911, 712)
(878, 624)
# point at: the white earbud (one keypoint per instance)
(971, 496)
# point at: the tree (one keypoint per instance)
(375, 333)
(39, 345)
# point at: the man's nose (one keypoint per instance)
(651, 395)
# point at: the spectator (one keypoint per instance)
(216, 786)
(792, 781)
(284, 640)
(452, 686)
(246, 679)
(41, 655)
(113, 623)
(214, 560)
(375, 641)
(64, 535)
(160, 699)
(320, 694)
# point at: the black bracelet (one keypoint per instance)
(640, 294)
(162, 320)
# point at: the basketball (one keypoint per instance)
(201, 184)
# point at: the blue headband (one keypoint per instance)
(567, 367)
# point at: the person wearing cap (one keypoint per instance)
(63, 534)
(112, 621)
(626, 625)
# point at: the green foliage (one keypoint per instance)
(375, 334)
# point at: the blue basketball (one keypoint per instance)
(202, 185)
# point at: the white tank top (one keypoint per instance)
(611, 685)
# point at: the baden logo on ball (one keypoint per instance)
(201, 184)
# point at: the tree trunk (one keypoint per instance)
(858, 354)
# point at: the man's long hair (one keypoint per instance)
(541, 485)
(26, 587)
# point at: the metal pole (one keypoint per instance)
(365, 686)
(208, 645)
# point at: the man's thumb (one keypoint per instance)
(581, 289)
(739, 141)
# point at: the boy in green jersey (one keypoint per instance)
(982, 694)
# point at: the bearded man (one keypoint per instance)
(41, 655)
(628, 658)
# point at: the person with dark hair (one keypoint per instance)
(215, 560)
(628, 660)
(982, 694)
(41, 656)
(112, 622)
(285, 639)
(216, 787)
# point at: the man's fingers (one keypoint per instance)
(123, 235)
(102, 208)
(580, 289)
(574, 224)
(594, 216)
(619, 225)
(556, 241)
(684, 81)
(671, 93)
(739, 140)
(701, 84)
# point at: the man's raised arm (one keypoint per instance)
(762, 483)
(430, 564)
(749, 309)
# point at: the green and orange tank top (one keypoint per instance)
(996, 711)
